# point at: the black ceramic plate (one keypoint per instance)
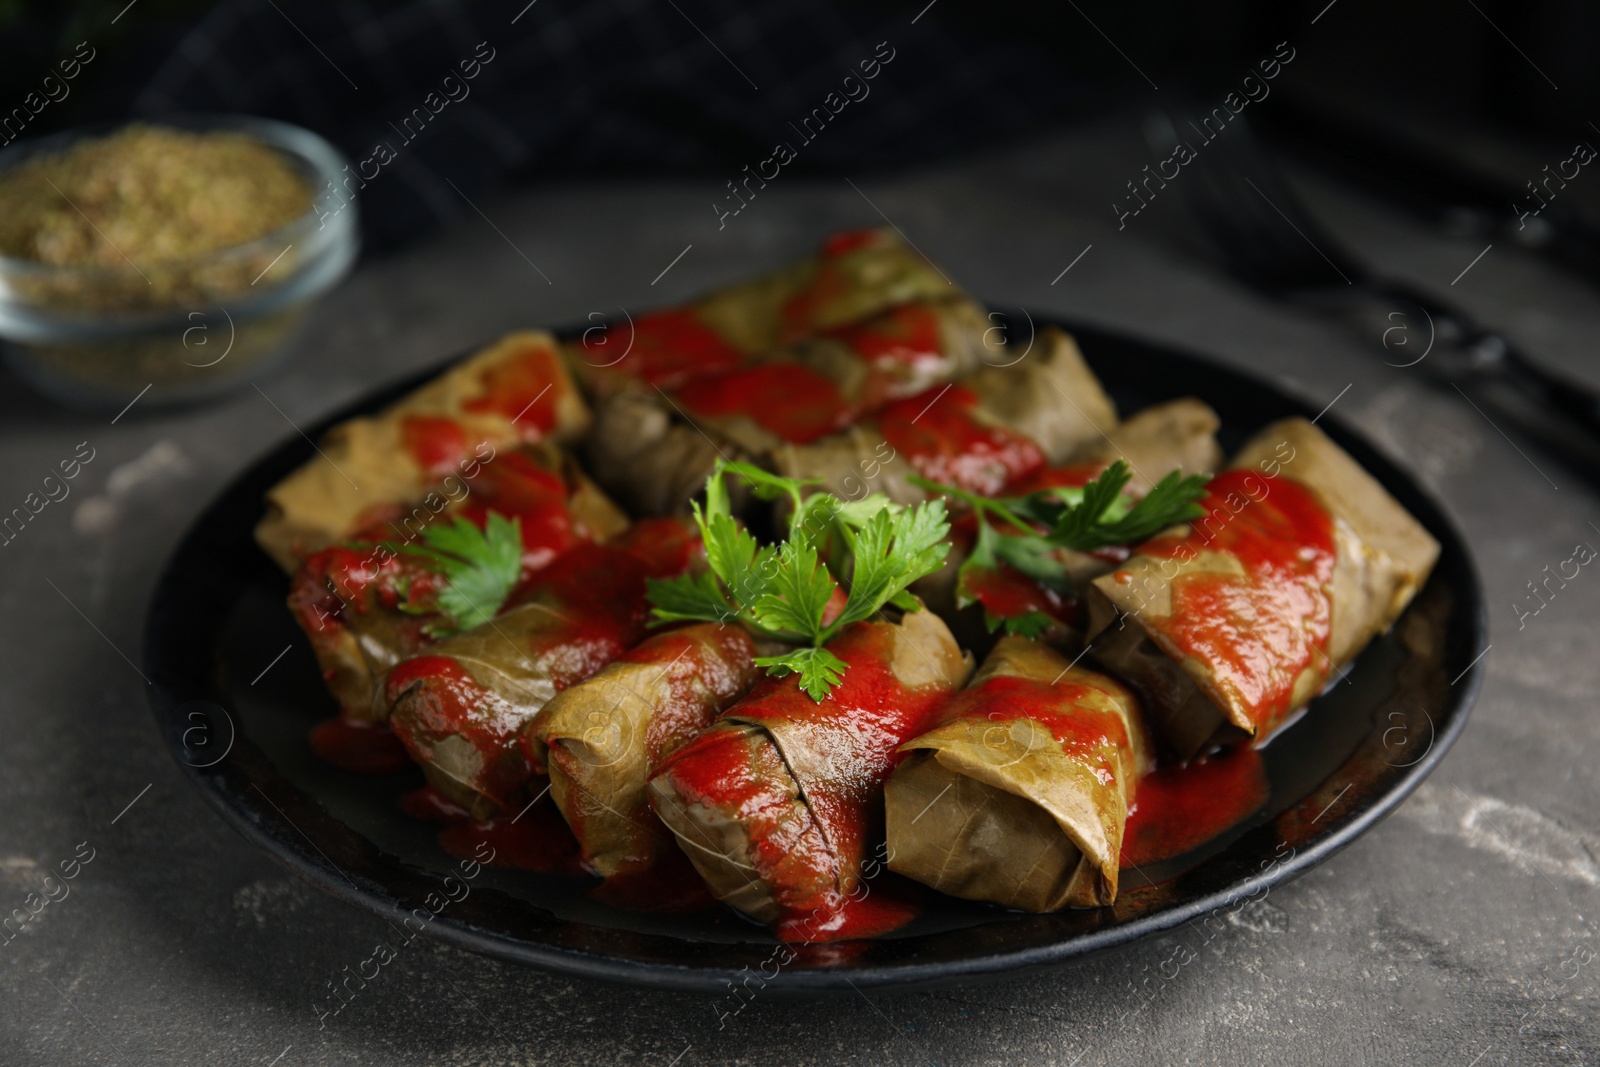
(218, 621)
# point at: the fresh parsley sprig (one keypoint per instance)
(1098, 515)
(782, 591)
(479, 568)
(1104, 515)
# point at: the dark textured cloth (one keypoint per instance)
(563, 86)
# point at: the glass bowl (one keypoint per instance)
(183, 330)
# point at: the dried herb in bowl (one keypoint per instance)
(145, 217)
(176, 261)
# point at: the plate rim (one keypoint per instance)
(274, 832)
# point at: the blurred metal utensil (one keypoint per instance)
(1448, 190)
(1271, 242)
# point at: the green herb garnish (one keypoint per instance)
(479, 568)
(1098, 515)
(782, 591)
(1104, 515)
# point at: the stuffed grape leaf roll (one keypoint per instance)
(1019, 792)
(1179, 435)
(1230, 624)
(901, 350)
(1176, 436)
(459, 708)
(855, 274)
(431, 443)
(599, 739)
(654, 447)
(980, 433)
(778, 803)
(372, 601)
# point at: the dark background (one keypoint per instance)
(1436, 59)
(612, 87)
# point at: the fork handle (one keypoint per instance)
(1477, 355)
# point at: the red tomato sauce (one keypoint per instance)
(517, 487)
(598, 592)
(1003, 591)
(360, 747)
(1068, 476)
(902, 348)
(790, 400)
(938, 432)
(666, 348)
(670, 886)
(666, 546)
(362, 578)
(514, 485)
(526, 389)
(861, 724)
(342, 589)
(606, 583)
(536, 839)
(437, 444)
(883, 905)
(846, 241)
(832, 282)
(1007, 593)
(1178, 809)
(906, 335)
(744, 775)
(1086, 734)
(1257, 631)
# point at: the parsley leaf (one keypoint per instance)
(1098, 515)
(782, 592)
(819, 669)
(1076, 525)
(1035, 558)
(1031, 555)
(768, 486)
(689, 597)
(742, 573)
(800, 592)
(1103, 515)
(1034, 624)
(1172, 500)
(479, 568)
(892, 550)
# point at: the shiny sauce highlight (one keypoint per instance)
(939, 433)
(1256, 632)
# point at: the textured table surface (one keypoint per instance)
(1460, 931)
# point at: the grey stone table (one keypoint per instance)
(1460, 931)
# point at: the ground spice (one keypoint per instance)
(149, 196)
